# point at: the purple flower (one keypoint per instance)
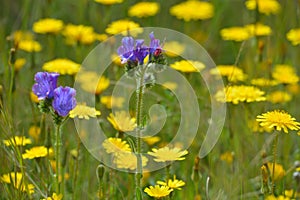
(141, 51)
(45, 84)
(64, 100)
(126, 50)
(154, 44)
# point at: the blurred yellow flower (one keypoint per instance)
(93, 86)
(115, 145)
(108, 2)
(17, 141)
(255, 127)
(116, 59)
(110, 101)
(170, 85)
(231, 72)
(188, 66)
(235, 33)
(143, 9)
(279, 97)
(285, 74)
(124, 26)
(227, 157)
(79, 34)
(48, 25)
(172, 183)
(101, 37)
(36, 152)
(278, 120)
(158, 191)
(291, 193)
(83, 112)
(294, 36)
(293, 88)
(173, 48)
(166, 154)
(259, 29)
(279, 171)
(128, 160)
(29, 46)
(122, 121)
(152, 140)
(193, 10)
(20, 62)
(33, 97)
(264, 6)
(240, 93)
(21, 35)
(280, 197)
(54, 197)
(263, 82)
(62, 66)
(34, 132)
(15, 178)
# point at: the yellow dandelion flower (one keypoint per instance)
(152, 140)
(109, 2)
(279, 171)
(122, 121)
(112, 102)
(172, 183)
(34, 132)
(101, 37)
(17, 141)
(235, 33)
(15, 178)
(36, 152)
(263, 82)
(188, 66)
(264, 6)
(240, 93)
(48, 25)
(279, 97)
(293, 88)
(170, 85)
(294, 36)
(54, 197)
(79, 33)
(231, 72)
(29, 46)
(280, 197)
(291, 193)
(115, 145)
(20, 35)
(193, 10)
(173, 48)
(166, 154)
(83, 112)
(285, 74)
(115, 58)
(259, 29)
(128, 160)
(19, 64)
(279, 120)
(227, 157)
(158, 191)
(95, 86)
(124, 26)
(255, 127)
(33, 97)
(62, 66)
(143, 9)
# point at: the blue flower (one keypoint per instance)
(154, 46)
(45, 85)
(140, 52)
(126, 50)
(64, 100)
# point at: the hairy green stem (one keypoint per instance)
(58, 145)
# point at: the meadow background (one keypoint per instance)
(234, 165)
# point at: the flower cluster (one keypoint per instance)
(60, 100)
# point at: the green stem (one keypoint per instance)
(274, 162)
(76, 167)
(58, 145)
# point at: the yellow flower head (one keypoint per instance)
(188, 66)
(30, 46)
(240, 93)
(255, 127)
(235, 33)
(92, 84)
(166, 154)
(259, 29)
(279, 171)
(173, 48)
(294, 36)
(79, 33)
(48, 25)
(291, 193)
(264, 6)
(54, 197)
(279, 97)
(233, 73)
(20, 62)
(152, 140)
(262, 82)
(34, 132)
(193, 10)
(122, 121)
(158, 191)
(15, 178)
(62, 66)
(109, 2)
(36, 152)
(172, 183)
(115, 58)
(279, 120)
(280, 197)
(112, 102)
(128, 160)
(21, 35)
(170, 85)
(33, 97)
(83, 112)
(143, 9)
(227, 157)
(124, 26)
(285, 74)
(17, 141)
(115, 145)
